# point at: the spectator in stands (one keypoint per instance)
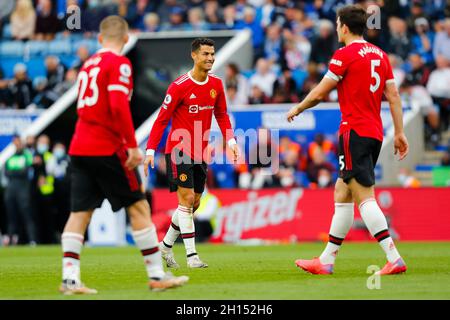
(264, 77)
(262, 160)
(419, 72)
(423, 40)
(41, 100)
(69, 80)
(137, 11)
(273, 44)
(439, 88)
(288, 167)
(317, 164)
(82, 55)
(47, 23)
(250, 22)
(232, 94)
(92, 16)
(21, 87)
(399, 42)
(151, 22)
(17, 195)
(286, 146)
(43, 191)
(445, 161)
(416, 12)
(30, 144)
(407, 179)
(418, 97)
(213, 13)
(196, 19)
(229, 16)
(442, 41)
(6, 98)
(325, 145)
(176, 20)
(164, 10)
(257, 96)
(23, 20)
(57, 166)
(279, 11)
(325, 179)
(285, 87)
(121, 8)
(55, 71)
(324, 45)
(399, 73)
(312, 80)
(297, 50)
(234, 78)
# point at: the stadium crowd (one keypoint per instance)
(292, 41)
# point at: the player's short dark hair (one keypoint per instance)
(197, 43)
(354, 17)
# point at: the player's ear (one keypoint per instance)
(193, 55)
(100, 38)
(126, 38)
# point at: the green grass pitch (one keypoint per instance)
(235, 272)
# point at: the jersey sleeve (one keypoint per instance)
(119, 89)
(389, 73)
(338, 65)
(223, 120)
(171, 101)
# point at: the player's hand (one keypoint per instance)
(134, 158)
(401, 145)
(235, 150)
(295, 111)
(149, 160)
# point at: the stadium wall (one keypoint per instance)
(289, 215)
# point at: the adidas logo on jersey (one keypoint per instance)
(193, 96)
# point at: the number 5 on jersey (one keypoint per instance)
(85, 80)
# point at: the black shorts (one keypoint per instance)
(183, 172)
(95, 178)
(357, 158)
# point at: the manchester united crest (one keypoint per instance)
(183, 177)
(213, 93)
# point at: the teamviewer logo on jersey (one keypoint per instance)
(193, 108)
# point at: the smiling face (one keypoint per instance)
(204, 57)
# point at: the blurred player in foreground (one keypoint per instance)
(190, 102)
(104, 156)
(362, 73)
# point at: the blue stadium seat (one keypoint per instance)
(299, 77)
(60, 47)
(37, 48)
(91, 44)
(248, 73)
(36, 67)
(11, 49)
(7, 65)
(301, 179)
(7, 32)
(68, 60)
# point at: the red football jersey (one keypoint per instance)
(362, 70)
(104, 123)
(190, 104)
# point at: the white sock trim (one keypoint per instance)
(139, 233)
(344, 204)
(364, 202)
(72, 235)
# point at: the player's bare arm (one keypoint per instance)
(149, 161)
(400, 141)
(313, 98)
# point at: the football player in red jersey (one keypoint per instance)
(104, 156)
(362, 73)
(190, 102)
